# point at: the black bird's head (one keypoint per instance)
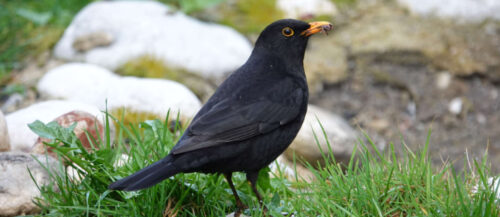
(288, 38)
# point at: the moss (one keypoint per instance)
(46, 38)
(148, 67)
(190, 6)
(344, 2)
(151, 67)
(127, 116)
(249, 16)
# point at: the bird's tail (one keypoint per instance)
(146, 177)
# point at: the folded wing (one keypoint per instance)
(225, 123)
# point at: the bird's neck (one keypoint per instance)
(292, 62)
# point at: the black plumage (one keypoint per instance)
(252, 117)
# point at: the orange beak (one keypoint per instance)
(315, 27)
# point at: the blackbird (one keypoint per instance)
(252, 117)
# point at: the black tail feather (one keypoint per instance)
(146, 177)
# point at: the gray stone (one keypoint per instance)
(460, 49)
(324, 66)
(13, 102)
(139, 28)
(17, 189)
(395, 61)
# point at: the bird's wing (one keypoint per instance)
(225, 123)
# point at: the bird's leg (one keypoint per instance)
(239, 204)
(252, 178)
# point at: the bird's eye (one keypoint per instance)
(287, 31)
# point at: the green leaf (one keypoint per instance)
(275, 201)
(264, 180)
(35, 17)
(42, 130)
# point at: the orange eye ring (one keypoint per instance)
(287, 31)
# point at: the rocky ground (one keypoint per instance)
(407, 75)
(390, 70)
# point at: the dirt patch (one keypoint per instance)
(399, 96)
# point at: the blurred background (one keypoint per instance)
(394, 69)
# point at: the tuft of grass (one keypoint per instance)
(372, 184)
(183, 195)
(383, 184)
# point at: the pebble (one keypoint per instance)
(455, 106)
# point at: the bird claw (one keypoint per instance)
(237, 213)
(241, 206)
(265, 210)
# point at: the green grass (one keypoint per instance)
(187, 194)
(387, 185)
(31, 27)
(190, 6)
(379, 184)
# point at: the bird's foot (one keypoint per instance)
(265, 211)
(237, 213)
(241, 207)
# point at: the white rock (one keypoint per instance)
(480, 118)
(233, 214)
(455, 106)
(493, 184)
(17, 189)
(151, 28)
(94, 85)
(468, 9)
(443, 80)
(341, 136)
(121, 161)
(74, 175)
(22, 138)
(4, 134)
(285, 167)
(304, 8)
(494, 94)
